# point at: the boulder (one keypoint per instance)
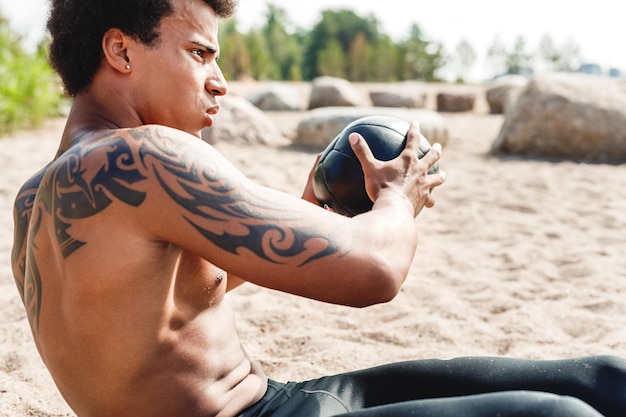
(333, 92)
(320, 126)
(399, 95)
(504, 91)
(278, 97)
(567, 116)
(239, 121)
(452, 102)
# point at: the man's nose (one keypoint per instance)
(216, 83)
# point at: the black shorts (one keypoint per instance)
(468, 387)
(310, 398)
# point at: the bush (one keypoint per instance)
(29, 88)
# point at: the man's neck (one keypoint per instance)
(92, 112)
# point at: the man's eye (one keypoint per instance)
(198, 52)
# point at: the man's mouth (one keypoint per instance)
(210, 112)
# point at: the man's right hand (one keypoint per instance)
(406, 175)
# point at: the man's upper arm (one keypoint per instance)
(200, 202)
(210, 208)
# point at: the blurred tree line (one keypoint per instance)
(344, 44)
(341, 44)
(29, 89)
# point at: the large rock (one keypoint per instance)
(567, 116)
(504, 91)
(239, 121)
(278, 97)
(404, 94)
(453, 102)
(332, 92)
(320, 126)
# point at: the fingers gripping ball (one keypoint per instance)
(338, 180)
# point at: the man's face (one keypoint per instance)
(175, 83)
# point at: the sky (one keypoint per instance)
(597, 27)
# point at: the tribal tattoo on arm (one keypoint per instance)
(226, 213)
(213, 200)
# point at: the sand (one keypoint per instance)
(519, 257)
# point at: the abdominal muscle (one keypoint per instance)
(206, 372)
(199, 370)
(121, 355)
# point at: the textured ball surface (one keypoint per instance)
(338, 180)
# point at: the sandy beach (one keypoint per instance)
(519, 257)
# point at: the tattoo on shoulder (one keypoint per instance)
(67, 190)
(77, 190)
(213, 201)
(85, 180)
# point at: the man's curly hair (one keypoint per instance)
(77, 28)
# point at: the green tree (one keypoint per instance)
(558, 58)
(284, 48)
(496, 55)
(518, 60)
(234, 54)
(384, 61)
(359, 59)
(29, 89)
(332, 60)
(548, 52)
(421, 59)
(570, 55)
(337, 28)
(465, 58)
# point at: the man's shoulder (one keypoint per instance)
(104, 147)
(145, 139)
(112, 148)
(29, 188)
(150, 131)
(133, 136)
(122, 163)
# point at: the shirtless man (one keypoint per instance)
(126, 243)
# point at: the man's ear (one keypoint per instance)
(115, 45)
